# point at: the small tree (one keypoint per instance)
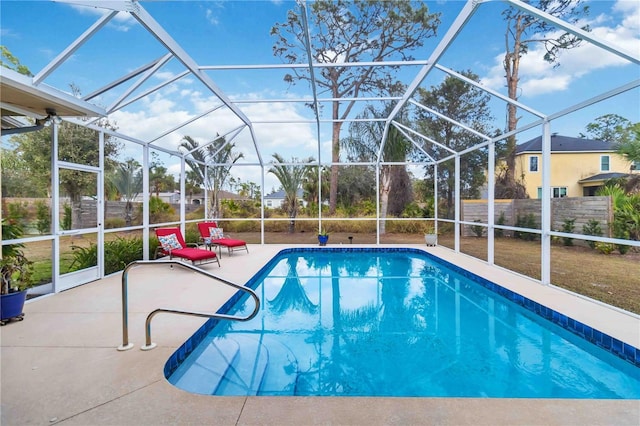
(159, 178)
(609, 128)
(127, 179)
(465, 104)
(364, 143)
(211, 167)
(592, 228)
(629, 148)
(290, 177)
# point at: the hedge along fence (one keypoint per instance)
(581, 209)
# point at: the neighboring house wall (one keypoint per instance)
(567, 168)
(275, 200)
(273, 203)
(572, 160)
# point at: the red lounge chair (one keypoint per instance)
(172, 244)
(210, 239)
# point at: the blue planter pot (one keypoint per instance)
(322, 239)
(11, 305)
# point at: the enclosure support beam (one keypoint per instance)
(145, 202)
(491, 197)
(457, 200)
(545, 239)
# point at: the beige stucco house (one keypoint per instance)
(578, 166)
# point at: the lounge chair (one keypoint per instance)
(172, 244)
(213, 236)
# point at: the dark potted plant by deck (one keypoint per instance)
(323, 237)
(15, 272)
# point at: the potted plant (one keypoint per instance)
(15, 272)
(430, 235)
(323, 237)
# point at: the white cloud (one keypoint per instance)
(538, 77)
(211, 17)
(160, 113)
(123, 21)
(631, 12)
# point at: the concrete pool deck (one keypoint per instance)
(60, 365)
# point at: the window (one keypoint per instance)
(604, 163)
(556, 192)
(635, 165)
(559, 192)
(533, 163)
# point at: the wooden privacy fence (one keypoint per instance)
(581, 209)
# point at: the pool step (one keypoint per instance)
(205, 368)
(282, 372)
(239, 364)
(244, 376)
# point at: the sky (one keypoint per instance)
(238, 32)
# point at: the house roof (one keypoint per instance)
(281, 194)
(226, 195)
(566, 144)
(603, 176)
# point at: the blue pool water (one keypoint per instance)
(397, 322)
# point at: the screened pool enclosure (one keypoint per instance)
(130, 93)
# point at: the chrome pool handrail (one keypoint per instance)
(125, 314)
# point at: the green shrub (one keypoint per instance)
(66, 222)
(159, 211)
(527, 221)
(477, 229)
(191, 234)
(84, 257)
(118, 253)
(498, 233)
(568, 226)
(18, 213)
(623, 248)
(592, 228)
(414, 210)
(605, 248)
(43, 217)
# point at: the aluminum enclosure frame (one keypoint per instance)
(84, 108)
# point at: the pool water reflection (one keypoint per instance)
(388, 322)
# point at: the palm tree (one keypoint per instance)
(221, 156)
(292, 295)
(291, 177)
(127, 180)
(364, 143)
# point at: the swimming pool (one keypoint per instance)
(397, 322)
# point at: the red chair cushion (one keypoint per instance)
(228, 242)
(193, 254)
